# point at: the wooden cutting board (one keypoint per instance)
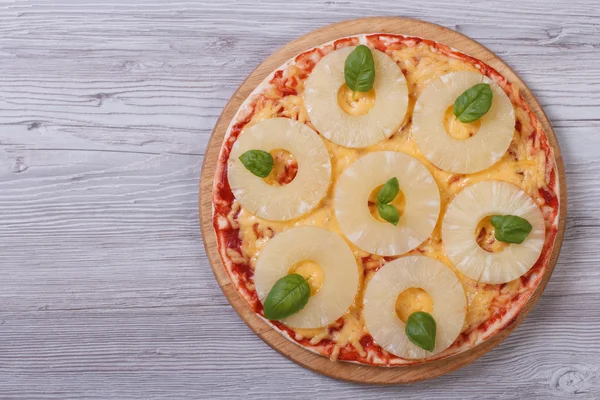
(345, 370)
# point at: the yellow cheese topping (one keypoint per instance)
(399, 202)
(459, 130)
(312, 272)
(413, 300)
(522, 165)
(355, 103)
(485, 234)
(282, 160)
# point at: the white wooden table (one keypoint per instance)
(105, 112)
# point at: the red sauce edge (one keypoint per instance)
(229, 238)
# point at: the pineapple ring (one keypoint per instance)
(381, 122)
(477, 202)
(476, 153)
(330, 252)
(298, 197)
(421, 209)
(438, 280)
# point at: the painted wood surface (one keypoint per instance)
(105, 113)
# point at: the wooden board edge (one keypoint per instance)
(344, 370)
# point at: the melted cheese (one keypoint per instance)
(459, 130)
(486, 236)
(521, 165)
(355, 103)
(282, 161)
(399, 202)
(411, 301)
(312, 272)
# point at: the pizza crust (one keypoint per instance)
(529, 158)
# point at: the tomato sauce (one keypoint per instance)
(242, 273)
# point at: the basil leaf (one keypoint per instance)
(259, 162)
(288, 296)
(389, 213)
(510, 228)
(389, 191)
(359, 69)
(421, 329)
(473, 103)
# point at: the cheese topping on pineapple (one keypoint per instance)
(448, 304)
(421, 209)
(355, 103)
(457, 129)
(284, 169)
(460, 151)
(524, 164)
(301, 194)
(355, 123)
(486, 238)
(299, 249)
(413, 300)
(399, 203)
(476, 203)
(312, 272)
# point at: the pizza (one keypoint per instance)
(386, 200)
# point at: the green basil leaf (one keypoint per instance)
(510, 228)
(259, 162)
(359, 69)
(389, 191)
(389, 213)
(421, 329)
(473, 103)
(288, 296)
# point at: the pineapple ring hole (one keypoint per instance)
(399, 202)
(459, 130)
(312, 272)
(285, 168)
(412, 300)
(486, 238)
(358, 103)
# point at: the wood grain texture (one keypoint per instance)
(350, 371)
(106, 110)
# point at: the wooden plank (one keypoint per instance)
(106, 291)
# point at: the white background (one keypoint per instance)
(105, 111)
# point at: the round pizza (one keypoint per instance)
(386, 200)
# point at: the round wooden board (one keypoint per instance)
(344, 370)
